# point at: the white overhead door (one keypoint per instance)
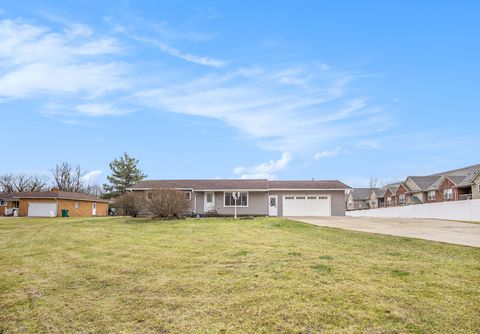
(306, 205)
(42, 209)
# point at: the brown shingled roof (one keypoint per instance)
(260, 184)
(230, 184)
(306, 184)
(54, 195)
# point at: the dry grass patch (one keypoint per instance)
(219, 275)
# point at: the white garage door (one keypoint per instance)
(306, 205)
(42, 209)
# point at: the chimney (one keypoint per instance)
(55, 189)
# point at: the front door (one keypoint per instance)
(209, 201)
(94, 209)
(273, 205)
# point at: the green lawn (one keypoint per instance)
(223, 276)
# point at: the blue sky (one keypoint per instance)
(343, 90)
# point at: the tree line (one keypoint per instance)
(65, 176)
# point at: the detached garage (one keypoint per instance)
(36, 209)
(51, 203)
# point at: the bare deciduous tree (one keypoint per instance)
(167, 204)
(373, 183)
(130, 203)
(67, 177)
(10, 183)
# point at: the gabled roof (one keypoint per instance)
(362, 194)
(52, 195)
(414, 200)
(256, 184)
(380, 192)
(423, 182)
(468, 173)
(393, 187)
(308, 184)
(238, 184)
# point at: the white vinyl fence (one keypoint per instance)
(468, 210)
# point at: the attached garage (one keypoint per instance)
(307, 205)
(36, 209)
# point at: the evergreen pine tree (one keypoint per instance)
(125, 173)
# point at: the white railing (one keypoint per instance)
(468, 210)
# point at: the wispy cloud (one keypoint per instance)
(326, 154)
(201, 60)
(90, 177)
(264, 170)
(101, 109)
(37, 60)
(289, 109)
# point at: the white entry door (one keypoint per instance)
(209, 201)
(94, 209)
(273, 205)
(306, 205)
(42, 209)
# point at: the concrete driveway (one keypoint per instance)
(429, 229)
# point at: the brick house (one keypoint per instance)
(454, 185)
(51, 203)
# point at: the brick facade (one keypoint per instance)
(401, 191)
(84, 207)
(439, 197)
(388, 193)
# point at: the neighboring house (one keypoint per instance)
(361, 199)
(51, 204)
(378, 198)
(391, 198)
(454, 185)
(257, 197)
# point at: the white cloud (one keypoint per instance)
(101, 109)
(201, 60)
(92, 176)
(264, 170)
(326, 154)
(36, 60)
(291, 109)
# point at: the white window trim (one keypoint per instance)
(189, 195)
(431, 198)
(238, 206)
(3, 203)
(448, 193)
(402, 198)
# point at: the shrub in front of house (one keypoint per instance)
(167, 204)
(129, 204)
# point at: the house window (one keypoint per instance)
(389, 200)
(230, 201)
(3, 203)
(431, 195)
(149, 196)
(401, 198)
(289, 197)
(188, 195)
(300, 197)
(448, 193)
(16, 204)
